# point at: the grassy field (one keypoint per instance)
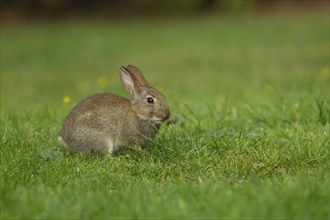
(252, 96)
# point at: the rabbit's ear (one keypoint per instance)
(137, 75)
(127, 80)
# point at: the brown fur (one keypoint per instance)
(106, 118)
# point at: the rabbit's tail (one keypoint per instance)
(60, 139)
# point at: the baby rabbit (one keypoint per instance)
(104, 123)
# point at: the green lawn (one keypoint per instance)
(251, 94)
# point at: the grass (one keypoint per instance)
(252, 96)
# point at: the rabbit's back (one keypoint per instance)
(104, 106)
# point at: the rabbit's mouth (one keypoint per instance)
(160, 120)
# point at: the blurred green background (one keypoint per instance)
(52, 49)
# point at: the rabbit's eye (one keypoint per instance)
(150, 100)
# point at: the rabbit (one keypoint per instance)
(105, 123)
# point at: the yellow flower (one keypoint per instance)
(66, 99)
(102, 82)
